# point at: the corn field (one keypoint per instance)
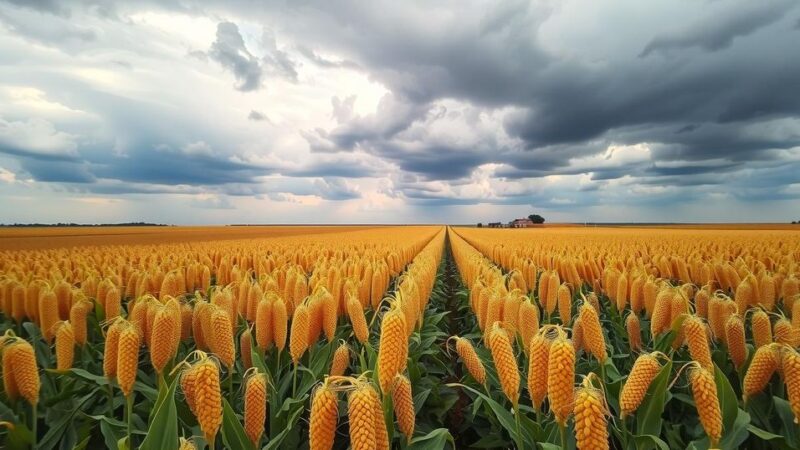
(423, 337)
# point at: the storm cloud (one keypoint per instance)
(415, 108)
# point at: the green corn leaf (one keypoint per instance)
(162, 433)
(233, 434)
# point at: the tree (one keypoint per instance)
(480, 225)
(535, 218)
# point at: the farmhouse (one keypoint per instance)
(520, 223)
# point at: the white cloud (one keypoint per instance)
(35, 137)
(7, 176)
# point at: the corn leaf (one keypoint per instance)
(435, 440)
(233, 434)
(162, 434)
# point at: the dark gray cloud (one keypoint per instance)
(58, 171)
(171, 166)
(690, 106)
(229, 51)
(46, 6)
(718, 29)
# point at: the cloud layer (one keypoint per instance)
(458, 111)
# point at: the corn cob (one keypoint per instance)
(642, 374)
(393, 347)
(403, 401)
(324, 414)
(255, 406)
(591, 426)
(561, 378)
(704, 391)
(471, 360)
(505, 362)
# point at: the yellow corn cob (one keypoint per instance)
(127, 356)
(9, 382)
(704, 391)
(554, 282)
(577, 336)
(65, 346)
(48, 313)
(298, 341)
(471, 360)
(221, 340)
(784, 333)
(341, 360)
(315, 318)
(528, 322)
(330, 313)
(356, 313)
(593, 339)
(662, 311)
(791, 376)
(634, 329)
(324, 414)
(505, 362)
(622, 292)
(187, 379)
(561, 378)
(255, 406)
(361, 415)
(165, 335)
(207, 398)
(381, 434)
(279, 324)
(112, 303)
(701, 303)
(564, 304)
(591, 427)
(734, 336)
(264, 327)
(762, 367)
(393, 347)
(19, 359)
(245, 348)
(110, 350)
(538, 368)
(697, 339)
(77, 317)
(762, 329)
(643, 373)
(403, 401)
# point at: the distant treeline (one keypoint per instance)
(126, 224)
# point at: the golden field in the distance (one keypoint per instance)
(30, 238)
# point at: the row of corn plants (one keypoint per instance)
(614, 339)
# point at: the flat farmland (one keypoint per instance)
(37, 238)
(406, 337)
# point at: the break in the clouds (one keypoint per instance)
(345, 111)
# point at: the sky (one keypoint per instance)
(457, 111)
